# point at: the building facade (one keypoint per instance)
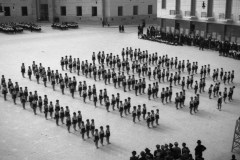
(219, 19)
(130, 11)
(81, 11)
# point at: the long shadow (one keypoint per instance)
(205, 114)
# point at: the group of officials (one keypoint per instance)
(170, 152)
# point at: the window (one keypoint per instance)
(24, 11)
(172, 12)
(7, 11)
(193, 7)
(150, 9)
(177, 8)
(163, 4)
(204, 14)
(79, 10)
(210, 8)
(228, 12)
(120, 11)
(63, 11)
(135, 10)
(1, 8)
(94, 11)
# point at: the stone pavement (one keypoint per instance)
(24, 136)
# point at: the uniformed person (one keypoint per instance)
(136, 87)
(121, 109)
(66, 62)
(51, 108)
(89, 93)
(56, 117)
(62, 115)
(191, 105)
(62, 63)
(34, 106)
(210, 91)
(23, 100)
(144, 111)
(29, 73)
(46, 110)
(108, 134)
(149, 91)
(166, 94)
(148, 119)
(152, 118)
(92, 127)
(82, 130)
(232, 76)
(181, 100)
(129, 82)
(101, 135)
(143, 85)
(124, 83)
(84, 96)
(177, 100)
(157, 116)
(79, 119)
(95, 99)
(219, 101)
(170, 93)
(163, 95)
(195, 105)
(129, 105)
(107, 104)
(23, 70)
(133, 82)
(74, 120)
(45, 80)
(14, 96)
(67, 112)
(134, 114)
(183, 97)
(113, 102)
(68, 123)
(88, 127)
(96, 138)
(105, 94)
(188, 82)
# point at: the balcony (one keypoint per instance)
(175, 14)
(190, 15)
(205, 17)
(225, 18)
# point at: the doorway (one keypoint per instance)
(44, 12)
(192, 28)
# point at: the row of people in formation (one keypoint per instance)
(130, 82)
(42, 103)
(55, 111)
(140, 86)
(88, 69)
(115, 62)
(137, 85)
(152, 92)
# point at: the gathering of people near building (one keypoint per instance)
(225, 48)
